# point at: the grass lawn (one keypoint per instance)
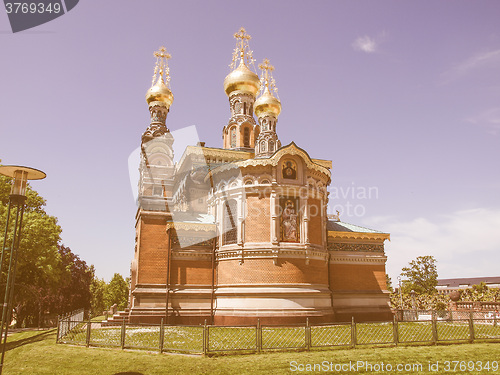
(35, 352)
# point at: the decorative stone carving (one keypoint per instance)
(369, 248)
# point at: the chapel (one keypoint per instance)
(228, 235)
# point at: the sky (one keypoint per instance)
(402, 96)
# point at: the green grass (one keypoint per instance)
(35, 352)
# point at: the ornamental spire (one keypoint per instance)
(242, 51)
(161, 66)
(267, 81)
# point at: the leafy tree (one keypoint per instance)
(50, 279)
(74, 289)
(388, 283)
(421, 275)
(98, 292)
(117, 292)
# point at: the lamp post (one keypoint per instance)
(17, 198)
(400, 295)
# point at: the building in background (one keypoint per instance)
(239, 233)
(446, 286)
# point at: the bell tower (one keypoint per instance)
(267, 109)
(157, 157)
(241, 87)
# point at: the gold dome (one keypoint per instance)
(159, 92)
(242, 79)
(267, 104)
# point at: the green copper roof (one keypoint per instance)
(338, 226)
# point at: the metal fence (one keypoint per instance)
(424, 315)
(208, 339)
(66, 323)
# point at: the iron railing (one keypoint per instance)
(208, 339)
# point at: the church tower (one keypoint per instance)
(241, 87)
(151, 256)
(267, 109)
(157, 158)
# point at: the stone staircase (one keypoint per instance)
(117, 319)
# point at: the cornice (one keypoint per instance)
(274, 159)
(359, 235)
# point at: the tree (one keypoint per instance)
(117, 292)
(50, 278)
(98, 303)
(388, 283)
(421, 275)
(74, 285)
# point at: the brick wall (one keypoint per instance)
(357, 277)
(257, 222)
(263, 271)
(315, 228)
(190, 272)
(153, 251)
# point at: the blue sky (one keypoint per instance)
(403, 97)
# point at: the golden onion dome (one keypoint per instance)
(159, 92)
(267, 104)
(243, 80)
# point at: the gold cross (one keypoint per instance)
(266, 67)
(242, 35)
(162, 53)
(161, 65)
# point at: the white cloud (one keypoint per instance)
(472, 63)
(489, 119)
(465, 243)
(365, 44)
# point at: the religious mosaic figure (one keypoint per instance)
(290, 170)
(290, 230)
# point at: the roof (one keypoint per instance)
(340, 230)
(455, 283)
(338, 226)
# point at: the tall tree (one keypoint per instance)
(421, 275)
(98, 293)
(117, 292)
(50, 278)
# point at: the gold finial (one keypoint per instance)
(242, 50)
(161, 66)
(267, 80)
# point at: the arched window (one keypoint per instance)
(233, 136)
(246, 137)
(230, 229)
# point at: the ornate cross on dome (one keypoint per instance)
(267, 79)
(161, 65)
(243, 36)
(242, 50)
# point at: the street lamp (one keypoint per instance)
(17, 198)
(400, 295)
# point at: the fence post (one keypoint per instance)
(58, 330)
(87, 339)
(122, 341)
(308, 335)
(205, 338)
(258, 337)
(434, 328)
(162, 335)
(471, 326)
(395, 330)
(353, 333)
